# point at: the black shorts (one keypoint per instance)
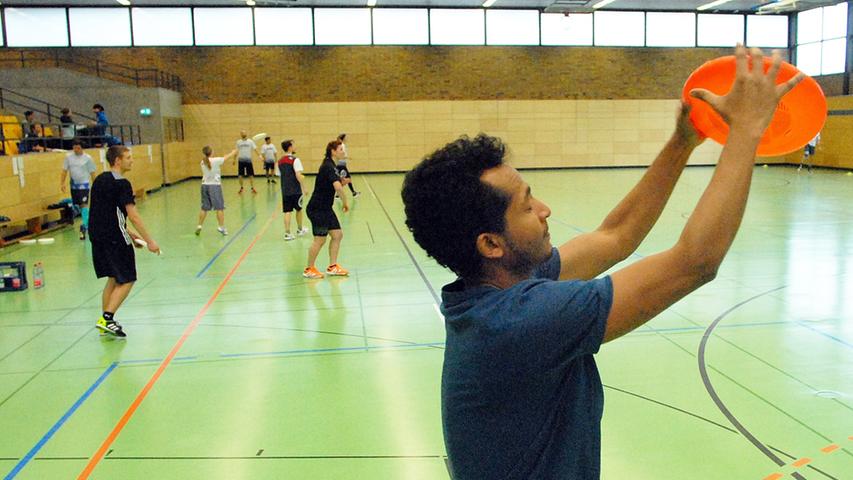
(116, 260)
(322, 221)
(269, 166)
(80, 196)
(290, 203)
(245, 169)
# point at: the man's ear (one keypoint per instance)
(490, 245)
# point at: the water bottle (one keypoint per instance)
(38, 275)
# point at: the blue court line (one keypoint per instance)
(328, 350)
(848, 345)
(47, 436)
(154, 360)
(210, 263)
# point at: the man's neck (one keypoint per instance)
(497, 277)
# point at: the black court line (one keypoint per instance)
(411, 256)
(370, 232)
(728, 429)
(706, 380)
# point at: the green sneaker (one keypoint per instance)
(110, 327)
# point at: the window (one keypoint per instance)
(342, 26)
(162, 27)
(512, 27)
(822, 40)
(99, 27)
(670, 29)
(36, 27)
(457, 26)
(284, 26)
(767, 31)
(572, 29)
(223, 26)
(623, 29)
(400, 26)
(716, 30)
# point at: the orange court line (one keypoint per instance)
(773, 476)
(801, 462)
(830, 448)
(99, 454)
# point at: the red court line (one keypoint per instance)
(99, 454)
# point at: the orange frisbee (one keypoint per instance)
(799, 117)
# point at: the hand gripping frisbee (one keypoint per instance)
(301, 201)
(798, 118)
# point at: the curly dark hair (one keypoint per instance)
(448, 206)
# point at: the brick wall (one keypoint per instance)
(346, 74)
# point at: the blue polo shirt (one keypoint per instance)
(521, 397)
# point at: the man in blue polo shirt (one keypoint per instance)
(521, 395)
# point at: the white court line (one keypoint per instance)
(438, 311)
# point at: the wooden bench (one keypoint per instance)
(33, 225)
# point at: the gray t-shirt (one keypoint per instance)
(80, 167)
(244, 150)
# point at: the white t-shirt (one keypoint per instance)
(268, 151)
(212, 175)
(80, 167)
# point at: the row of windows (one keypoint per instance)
(822, 40)
(97, 27)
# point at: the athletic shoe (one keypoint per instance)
(82, 233)
(288, 237)
(356, 194)
(222, 230)
(337, 271)
(311, 272)
(301, 231)
(253, 190)
(272, 180)
(197, 230)
(240, 191)
(111, 327)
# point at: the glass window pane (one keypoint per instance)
(808, 58)
(512, 27)
(162, 27)
(457, 26)
(223, 26)
(625, 29)
(36, 27)
(400, 26)
(809, 26)
(2, 40)
(767, 31)
(835, 21)
(342, 26)
(720, 30)
(99, 27)
(670, 29)
(284, 26)
(559, 29)
(833, 56)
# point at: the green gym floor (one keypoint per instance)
(235, 367)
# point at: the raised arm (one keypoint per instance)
(647, 287)
(588, 255)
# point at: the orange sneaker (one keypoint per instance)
(337, 270)
(311, 272)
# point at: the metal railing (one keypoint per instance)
(141, 77)
(63, 134)
(25, 102)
